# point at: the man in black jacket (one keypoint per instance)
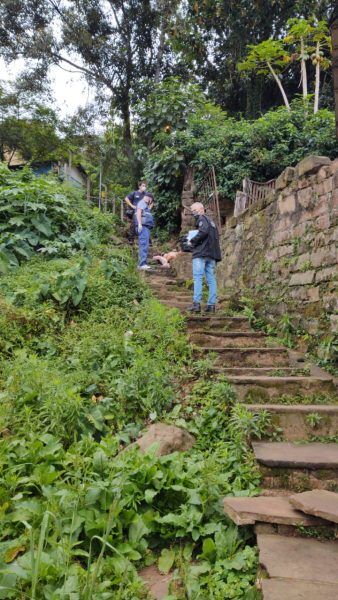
(205, 253)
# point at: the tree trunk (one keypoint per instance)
(127, 129)
(279, 83)
(303, 69)
(160, 50)
(317, 85)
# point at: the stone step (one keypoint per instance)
(262, 388)
(182, 304)
(172, 295)
(219, 323)
(297, 589)
(158, 273)
(300, 421)
(257, 371)
(266, 509)
(227, 339)
(295, 559)
(248, 357)
(315, 455)
(318, 503)
(299, 467)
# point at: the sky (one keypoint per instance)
(69, 89)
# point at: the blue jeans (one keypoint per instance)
(143, 246)
(201, 267)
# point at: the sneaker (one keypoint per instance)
(194, 308)
(210, 308)
(144, 268)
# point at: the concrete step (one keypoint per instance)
(262, 388)
(299, 467)
(219, 323)
(266, 509)
(301, 421)
(300, 564)
(227, 339)
(246, 357)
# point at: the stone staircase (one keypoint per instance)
(274, 379)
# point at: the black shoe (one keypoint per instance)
(194, 308)
(210, 308)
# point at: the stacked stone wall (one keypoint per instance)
(284, 249)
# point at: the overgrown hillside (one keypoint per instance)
(88, 357)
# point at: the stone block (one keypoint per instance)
(232, 222)
(280, 237)
(330, 302)
(286, 204)
(313, 294)
(285, 250)
(305, 197)
(334, 166)
(324, 187)
(312, 164)
(284, 178)
(321, 206)
(302, 278)
(334, 323)
(324, 256)
(323, 173)
(326, 274)
(302, 260)
(323, 222)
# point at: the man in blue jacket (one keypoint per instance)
(206, 253)
(132, 201)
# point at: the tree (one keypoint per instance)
(27, 126)
(267, 57)
(322, 42)
(300, 33)
(212, 36)
(116, 44)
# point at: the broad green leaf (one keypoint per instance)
(166, 560)
(137, 530)
(149, 495)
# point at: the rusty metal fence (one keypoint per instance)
(253, 191)
(207, 193)
(116, 207)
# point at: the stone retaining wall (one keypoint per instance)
(284, 249)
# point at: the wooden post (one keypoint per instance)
(334, 37)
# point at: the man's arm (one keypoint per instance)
(203, 230)
(127, 201)
(139, 218)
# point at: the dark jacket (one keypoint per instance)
(206, 243)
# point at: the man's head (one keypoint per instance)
(148, 198)
(142, 185)
(197, 209)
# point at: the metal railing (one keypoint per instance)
(108, 205)
(207, 193)
(253, 192)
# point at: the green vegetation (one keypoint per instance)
(207, 136)
(88, 359)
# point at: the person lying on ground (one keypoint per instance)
(166, 258)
